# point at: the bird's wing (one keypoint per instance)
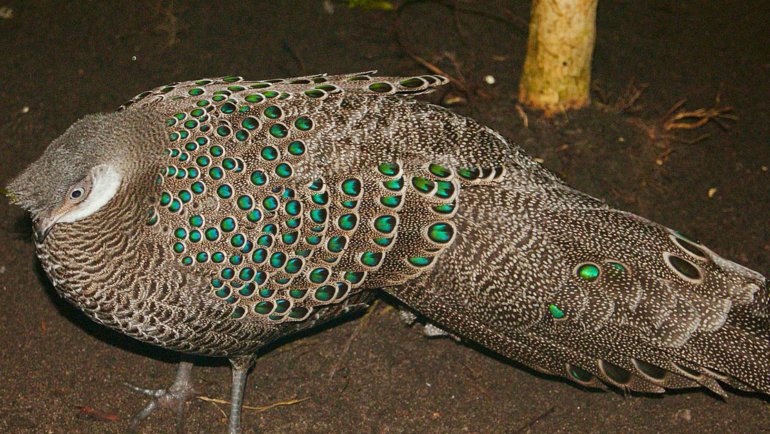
(294, 194)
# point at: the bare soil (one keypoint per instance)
(60, 373)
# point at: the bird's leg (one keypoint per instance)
(241, 366)
(174, 397)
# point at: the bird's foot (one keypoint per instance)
(173, 398)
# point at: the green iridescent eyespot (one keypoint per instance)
(382, 87)
(223, 131)
(227, 224)
(258, 178)
(228, 163)
(216, 151)
(444, 189)
(297, 293)
(279, 131)
(385, 224)
(391, 201)
(250, 123)
(227, 273)
(293, 265)
(588, 272)
(354, 277)
(269, 153)
(273, 112)
(289, 238)
(212, 234)
(254, 98)
(263, 307)
(336, 244)
(351, 187)
(246, 274)
(318, 215)
(314, 93)
(165, 198)
(259, 256)
(197, 187)
(254, 215)
(423, 185)
(347, 222)
(420, 261)
(388, 169)
(245, 202)
(225, 191)
(270, 203)
(556, 313)
(283, 170)
(185, 196)
(175, 205)
(371, 259)
(412, 82)
(303, 123)
(216, 173)
(325, 293)
(319, 275)
(382, 241)
(196, 221)
(441, 233)
(394, 184)
(293, 207)
(296, 148)
(440, 171)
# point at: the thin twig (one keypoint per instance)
(255, 409)
(537, 419)
(364, 321)
(294, 56)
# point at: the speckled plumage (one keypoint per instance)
(246, 211)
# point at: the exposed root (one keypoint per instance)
(627, 101)
(668, 131)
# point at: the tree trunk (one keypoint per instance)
(557, 70)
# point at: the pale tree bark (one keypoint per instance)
(557, 70)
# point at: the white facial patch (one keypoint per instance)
(105, 182)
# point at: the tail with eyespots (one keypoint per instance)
(560, 282)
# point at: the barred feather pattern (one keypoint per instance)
(251, 210)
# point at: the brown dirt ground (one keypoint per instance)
(61, 62)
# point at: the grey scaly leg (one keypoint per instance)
(174, 397)
(241, 366)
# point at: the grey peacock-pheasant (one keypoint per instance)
(214, 216)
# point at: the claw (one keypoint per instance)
(173, 398)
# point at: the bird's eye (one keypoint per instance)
(77, 193)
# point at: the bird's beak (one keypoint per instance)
(43, 225)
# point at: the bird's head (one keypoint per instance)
(79, 172)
